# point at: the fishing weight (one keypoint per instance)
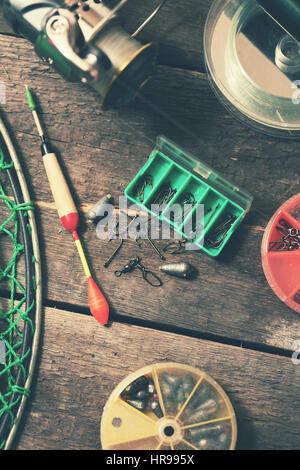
(182, 270)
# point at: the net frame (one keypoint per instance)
(27, 309)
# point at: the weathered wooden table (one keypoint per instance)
(228, 322)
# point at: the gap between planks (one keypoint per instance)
(166, 328)
(160, 327)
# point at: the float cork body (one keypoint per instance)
(68, 215)
(63, 199)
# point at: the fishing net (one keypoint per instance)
(19, 294)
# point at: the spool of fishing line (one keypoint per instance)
(254, 63)
(168, 406)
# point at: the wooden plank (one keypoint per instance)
(102, 151)
(81, 363)
(178, 29)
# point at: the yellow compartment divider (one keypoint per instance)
(189, 426)
(130, 424)
(189, 397)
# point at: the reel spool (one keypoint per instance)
(84, 41)
(168, 406)
(253, 62)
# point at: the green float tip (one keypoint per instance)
(31, 103)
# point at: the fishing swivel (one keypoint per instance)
(135, 263)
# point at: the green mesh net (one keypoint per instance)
(17, 300)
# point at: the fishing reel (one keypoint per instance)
(84, 41)
(252, 54)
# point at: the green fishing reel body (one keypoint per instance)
(85, 42)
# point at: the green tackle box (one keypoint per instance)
(189, 179)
